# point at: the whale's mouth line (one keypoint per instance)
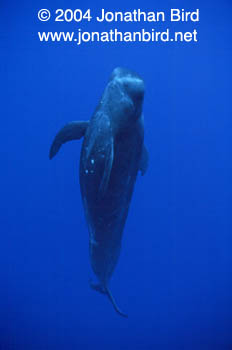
(105, 290)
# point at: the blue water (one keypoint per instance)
(174, 276)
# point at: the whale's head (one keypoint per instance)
(127, 92)
(131, 83)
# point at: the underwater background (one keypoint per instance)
(174, 276)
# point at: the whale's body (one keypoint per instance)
(112, 154)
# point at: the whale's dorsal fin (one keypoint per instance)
(71, 131)
(144, 160)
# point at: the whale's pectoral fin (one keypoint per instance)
(108, 161)
(71, 131)
(144, 161)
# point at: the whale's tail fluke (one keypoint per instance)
(116, 308)
(105, 290)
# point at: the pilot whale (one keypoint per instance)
(112, 154)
